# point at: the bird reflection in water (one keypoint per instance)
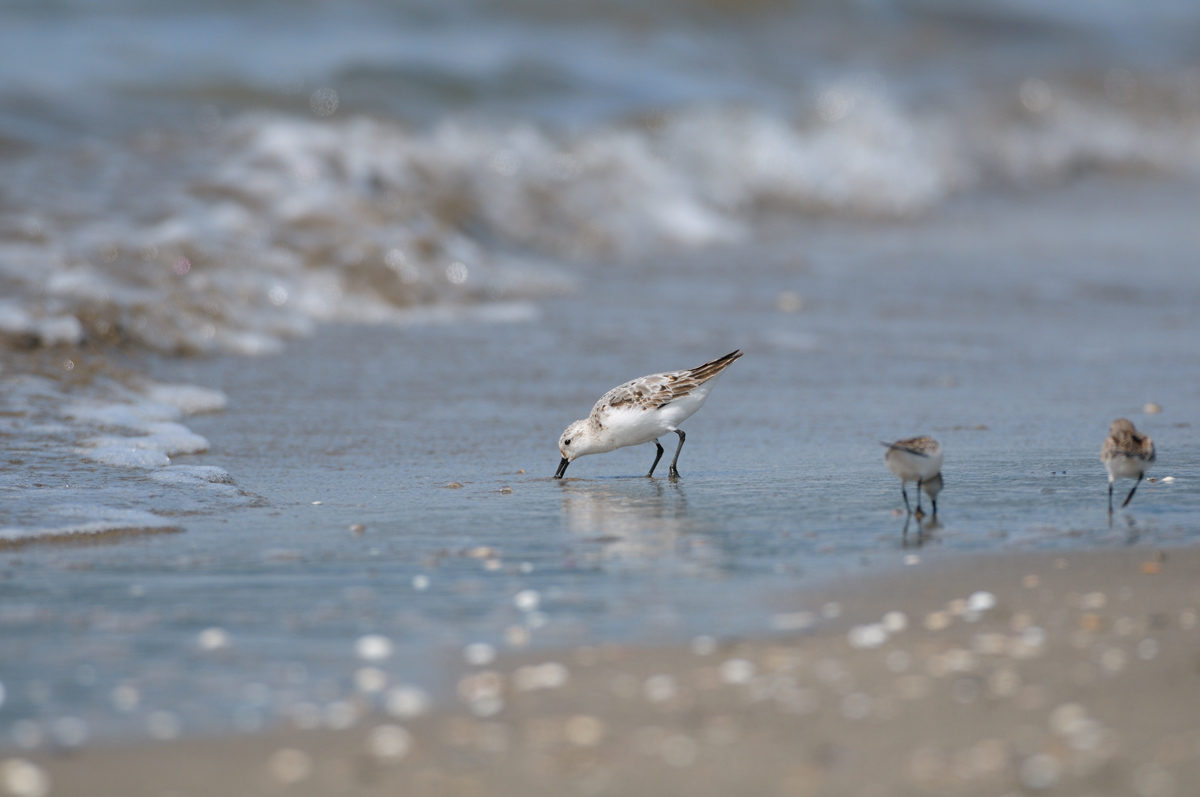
(926, 526)
(635, 521)
(1132, 533)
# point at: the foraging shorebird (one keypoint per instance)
(1126, 454)
(917, 459)
(641, 411)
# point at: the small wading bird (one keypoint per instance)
(917, 459)
(1127, 455)
(641, 411)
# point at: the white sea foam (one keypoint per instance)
(123, 454)
(72, 520)
(64, 438)
(159, 442)
(152, 434)
(281, 223)
(46, 330)
(192, 475)
(133, 415)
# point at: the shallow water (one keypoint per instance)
(410, 244)
(1015, 355)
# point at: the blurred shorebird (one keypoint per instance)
(1126, 454)
(916, 459)
(641, 411)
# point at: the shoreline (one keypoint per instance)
(1072, 671)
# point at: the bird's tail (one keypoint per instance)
(710, 369)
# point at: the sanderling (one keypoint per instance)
(640, 411)
(917, 459)
(1127, 455)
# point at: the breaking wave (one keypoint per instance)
(274, 223)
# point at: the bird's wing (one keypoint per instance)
(1130, 445)
(658, 390)
(918, 446)
(646, 393)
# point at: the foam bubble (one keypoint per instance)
(23, 778)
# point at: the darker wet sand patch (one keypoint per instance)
(79, 538)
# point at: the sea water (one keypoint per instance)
(295, 303)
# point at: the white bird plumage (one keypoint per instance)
(916, 459)
(641, 411)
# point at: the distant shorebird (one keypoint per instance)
(1127, 455)
(917, 459)
(641, 411)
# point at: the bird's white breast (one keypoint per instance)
(912, 467)
(630, 426)
(1121, 467)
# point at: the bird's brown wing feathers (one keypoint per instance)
(658, 390)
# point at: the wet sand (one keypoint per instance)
(1009, 673)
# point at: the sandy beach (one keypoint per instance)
(949, 674)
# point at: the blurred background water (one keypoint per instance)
(972, 219)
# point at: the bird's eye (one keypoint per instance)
(566, 442)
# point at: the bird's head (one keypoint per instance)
(575, 441)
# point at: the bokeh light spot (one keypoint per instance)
(323, 101)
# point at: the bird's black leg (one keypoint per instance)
(1129, 497)
(1110, 483)
(934, 500)
(904, 493)
(675, 471)
(657, 457)
(920, 511)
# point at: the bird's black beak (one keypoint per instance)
(562, 468)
